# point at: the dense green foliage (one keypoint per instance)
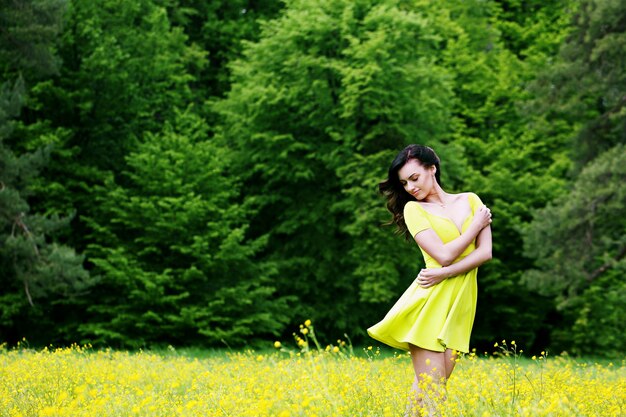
(580, 247)
(578, 239)
(38, 275)
(215, 164)
(316, 111)
(175, 228)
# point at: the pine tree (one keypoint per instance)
(586, 86)
(171, 239)
(579, 244)
(577, 239)
(38, 274)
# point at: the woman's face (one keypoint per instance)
(416, 179)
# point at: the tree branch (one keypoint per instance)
(27, 291)
(29, 236)
(595, 274)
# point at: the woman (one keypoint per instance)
(433, 318)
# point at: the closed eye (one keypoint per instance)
(413, 178)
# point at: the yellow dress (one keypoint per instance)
(440, 317)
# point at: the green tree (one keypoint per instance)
(580, 100)
(39, 275)
(579, 245)
(318, 108)
(126, 70)
(495, 50)
(586, 86)
(219, 27)
(171, 239)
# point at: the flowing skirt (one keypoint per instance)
(436, 318)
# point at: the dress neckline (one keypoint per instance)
(460, 230)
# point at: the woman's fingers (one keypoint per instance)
(421, 280)
(425, 279)
(486, 215)
(482, 217)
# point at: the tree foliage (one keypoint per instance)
(317, 109)
(218, 27)
(222, 161)
(586, 86)
(577, 240)
(171, 240)
(509, 164)
(37, 272)
(579, 246)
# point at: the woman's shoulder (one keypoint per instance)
(467, 194)
(473, 198)
(464, 194)
(411, 205)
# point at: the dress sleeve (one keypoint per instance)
(475, 202)
(415, 218)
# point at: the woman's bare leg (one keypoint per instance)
(428, 366)
(450, 360)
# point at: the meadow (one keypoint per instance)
(306, 380)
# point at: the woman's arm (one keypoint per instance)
(432, 276)
(446, 253)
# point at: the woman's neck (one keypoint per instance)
(437, 196)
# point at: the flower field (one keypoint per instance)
(79, 381)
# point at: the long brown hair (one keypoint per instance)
(394, 191)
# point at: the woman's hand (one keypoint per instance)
(482, 217)
(429, 277)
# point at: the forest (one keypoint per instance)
(204, 173)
